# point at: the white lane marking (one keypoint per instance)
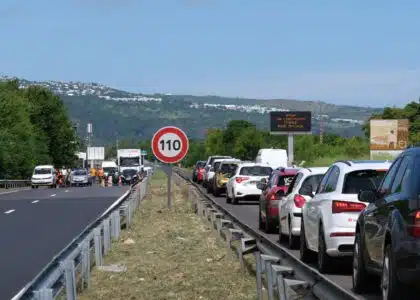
(14, 191)
(53, 195)
(9, 211)
(66, 191)
(116, 202)
(35, 201)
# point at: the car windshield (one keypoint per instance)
(129, 172)
(312, 181)
(256, 171)
(42, 171)
(129, 161)
(217, 157)
(285, 180)
(80, 172)
(228, 168)
(109, 169)
(362, 180)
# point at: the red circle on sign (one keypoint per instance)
(184, 144)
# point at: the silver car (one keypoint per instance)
(80, 177)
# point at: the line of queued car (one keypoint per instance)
(365, 210)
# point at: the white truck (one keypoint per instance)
(129, 159)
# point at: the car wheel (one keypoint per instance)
(216, 191)
(228, 200)
(391, 287)
(208, 189)
(293, 240)
(234, 199)
(324, 260)
(269, 228)
(306, 254)
(280, 240)
(360, 277)
(261, 224)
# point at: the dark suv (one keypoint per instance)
(387, 239)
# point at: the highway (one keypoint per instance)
(247, 213)
(35, 225)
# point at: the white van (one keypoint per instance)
(275, 158)
(44, 175)
(108, 166)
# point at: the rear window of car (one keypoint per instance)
(228, 168)
(216, 165)
(256, 171)
(217, 157)
(285, 180)
(362, 180)
(201, 164)
(313, 181)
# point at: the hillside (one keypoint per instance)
(137, 116)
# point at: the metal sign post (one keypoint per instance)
(170, 145)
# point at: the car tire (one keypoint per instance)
(394, 287)
(360, 277)
(261, 224)
(269, 228)
(306, 254)
(324, 260)
(235, 200)
(228, 199)
(280, 239)
(216, 191)
(293, 240)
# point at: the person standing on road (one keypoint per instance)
(101, 177)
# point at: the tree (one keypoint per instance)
(248, 143)
(49, 115)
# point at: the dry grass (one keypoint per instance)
(175, 255)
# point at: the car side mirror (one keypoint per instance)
(367, 196)
(306, 190)
(280, 193)
(261, 186)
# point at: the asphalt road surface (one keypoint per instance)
(35, 225)
(247, 213)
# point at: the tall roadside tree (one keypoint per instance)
(22, 145)
(49, 115)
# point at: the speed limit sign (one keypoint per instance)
(170, 144)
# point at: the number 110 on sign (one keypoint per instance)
(170, 145)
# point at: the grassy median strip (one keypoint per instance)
(170, 255)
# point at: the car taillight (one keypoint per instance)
(299, 200)
(273, 197)
(201, 170)
(240, 179)
(414, 228)
(344, 206)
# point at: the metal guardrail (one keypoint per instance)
(13, 184)
(285, 276)
(69, 271)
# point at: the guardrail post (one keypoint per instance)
(128, 213)
(279, 273)
(266, 262)
(259, 271)
(248, 245)
(115, 216)
(214, 217)
(44, 294)
(98, 246)
(221, 224)
(85, 263)
(70, 278)
(107, 237)
(295, 289)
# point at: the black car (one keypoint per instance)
(387, 242)
(129, 176)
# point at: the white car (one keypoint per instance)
(244, 182)
(329, 220)
(290, 209)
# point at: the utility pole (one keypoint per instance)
(89, 136)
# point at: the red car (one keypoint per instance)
(272, 191)
(198, 173)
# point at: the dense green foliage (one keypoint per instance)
(34, 129)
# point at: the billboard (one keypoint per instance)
(389, 134)
(290, 122)
(388, 138)
(96, 153)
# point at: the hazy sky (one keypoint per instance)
(344, 52)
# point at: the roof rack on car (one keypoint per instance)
(344, 162)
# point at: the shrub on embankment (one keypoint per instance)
(34, 129)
